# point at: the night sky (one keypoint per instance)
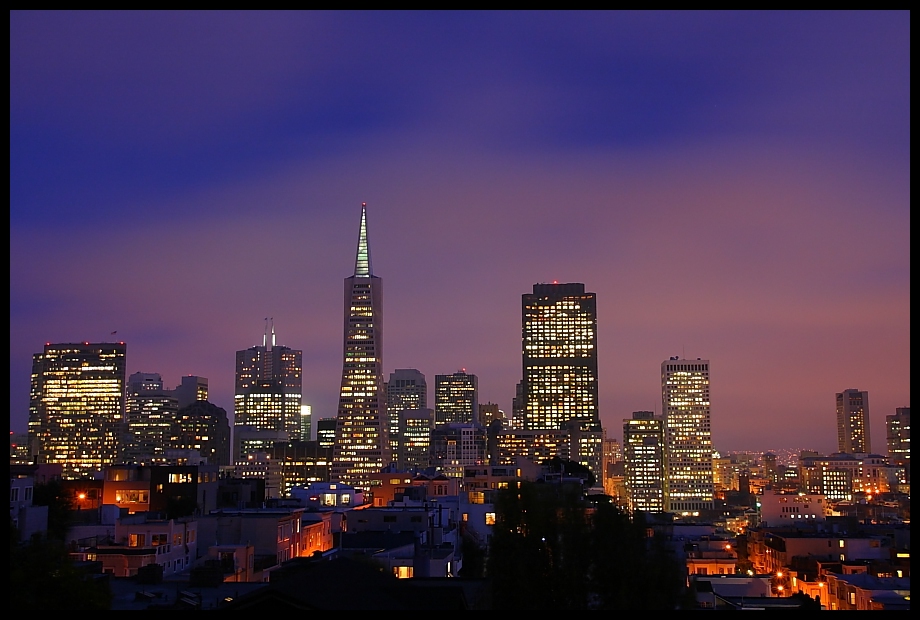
(733, 186)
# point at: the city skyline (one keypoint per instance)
(732, 186)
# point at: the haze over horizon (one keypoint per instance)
(733, 186)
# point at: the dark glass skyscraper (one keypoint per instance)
(362, 438)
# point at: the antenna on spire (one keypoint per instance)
(273, 331)
(265, 332)
(363, 258)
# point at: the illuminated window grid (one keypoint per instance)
(685, 401)
(77, 405)
(362, 443)
(560, 357)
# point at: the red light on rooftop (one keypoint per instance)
(555, 281)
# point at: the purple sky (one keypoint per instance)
(733, 186)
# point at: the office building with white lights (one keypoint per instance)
(643, 442)
(362, 443)
(268, 387)
(688, 437)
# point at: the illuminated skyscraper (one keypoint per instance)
(559, 345)
(560, 356)
(269, 380)
(853, 422)
(897, 429)
(406, 389)
(643, 440)
(150, 415)
(687, 433)
(362, 439)
(415, 429)
(77, 406)
(456, 398)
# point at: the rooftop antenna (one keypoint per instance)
(265, 332)
(273, 331)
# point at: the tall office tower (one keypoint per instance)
(560, 355)
(643, 440)
(204, 427)
(687, 434)
(191, 390)
(362, 444)
(405, 390)
(559, 351)
(268, 387)
(456, 398)
(77, 405)
(415, 428)
(897, 428)
(853, 422)
(150, 414)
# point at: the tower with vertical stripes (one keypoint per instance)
(361, 431)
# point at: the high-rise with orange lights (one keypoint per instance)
(361, 430)
(77, 406)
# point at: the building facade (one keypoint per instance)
(191, 389)
(643, 440)
(559, 352)
(559, 342)
(853, 422)
(77, 406)
(204, 427)
(268, 388)
(897, 430)
(415, 429)
(406, 390)
(456, 398)
(150, 416)
(362, 444)
(688, 435)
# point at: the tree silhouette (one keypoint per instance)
(550, 549)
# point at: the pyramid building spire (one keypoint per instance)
(363, 258)
(362, 444)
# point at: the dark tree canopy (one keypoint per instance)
(552, 550)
